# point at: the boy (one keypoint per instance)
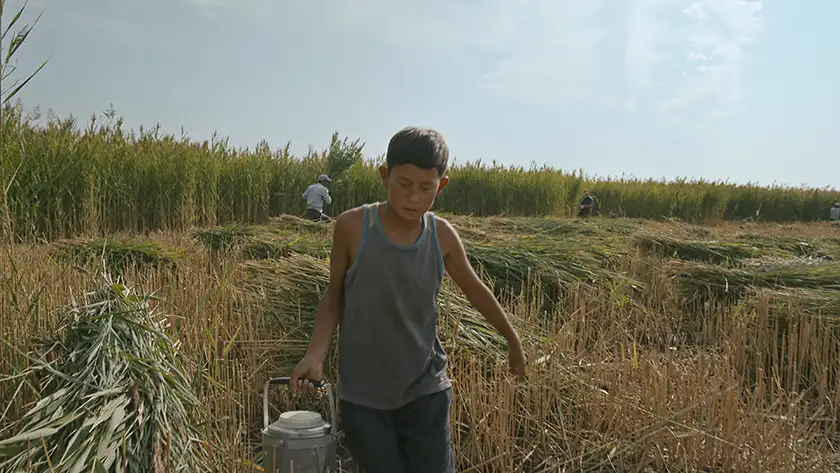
(317, 196)
(386, 267)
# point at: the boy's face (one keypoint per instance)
(411, 190)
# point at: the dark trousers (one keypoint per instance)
(316, 216)
(412, 439)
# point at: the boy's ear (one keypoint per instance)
(383, 174)
(443, 182)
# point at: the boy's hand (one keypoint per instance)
(309, 368)
(516, 360)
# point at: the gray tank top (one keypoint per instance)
(389, 351)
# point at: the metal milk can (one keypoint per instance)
(299, 441)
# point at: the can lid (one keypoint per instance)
(300, 420)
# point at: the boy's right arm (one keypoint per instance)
(327, 314)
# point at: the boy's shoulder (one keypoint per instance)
(441, 222)
(356, 214)
(349, 222)
(446, 233)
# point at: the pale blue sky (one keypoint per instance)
(738, 89)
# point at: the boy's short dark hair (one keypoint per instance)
(422, 147)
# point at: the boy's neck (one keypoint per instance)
(390, 219)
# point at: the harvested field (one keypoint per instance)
(653, 346)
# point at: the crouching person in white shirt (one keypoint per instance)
(317, 196)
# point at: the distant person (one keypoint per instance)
(587, 205)
(834, 213)
(317, 196)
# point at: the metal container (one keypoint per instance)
(299, 441)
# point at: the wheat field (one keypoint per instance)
(640, 358)
(151, 283)
(158, 282)
(65, 178)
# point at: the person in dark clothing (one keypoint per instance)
(587, 206)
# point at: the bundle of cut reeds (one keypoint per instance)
(715, 252)
(696, 279)
(118, 254)
(115, 398)
(291, 288)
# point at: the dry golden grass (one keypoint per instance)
(621, 377)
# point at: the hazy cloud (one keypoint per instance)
(207, 7)
(256, 9)
(714, 47)
(540, 50)
(690, 53)
(668, 56)
(643, 51)
(208, 4)
(551, 51)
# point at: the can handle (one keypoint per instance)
(285, 380)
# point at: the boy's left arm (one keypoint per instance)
(459, 269)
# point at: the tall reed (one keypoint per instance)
(65, 180)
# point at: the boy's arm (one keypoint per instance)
(459, 269)
(327, 198)
(327, 314)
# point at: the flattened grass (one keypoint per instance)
(697, 280)
(713, 252)
(118, 254)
